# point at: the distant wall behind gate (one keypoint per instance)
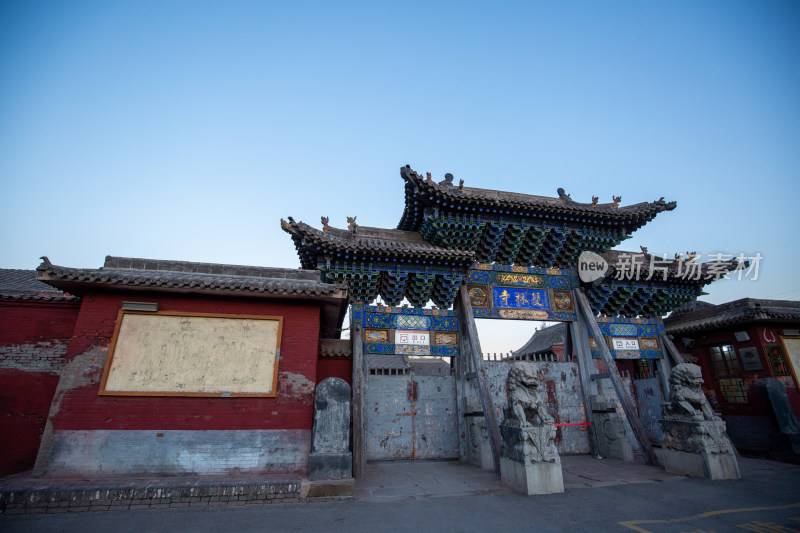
(561, 390)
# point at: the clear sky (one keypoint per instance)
(186, 130)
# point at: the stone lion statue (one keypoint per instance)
(686, 398)
(523, 396)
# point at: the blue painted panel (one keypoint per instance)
(520, 298)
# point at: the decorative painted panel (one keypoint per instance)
(407, 330)
(376, 335)
(522, 293)
(412, 322)
(630, 338)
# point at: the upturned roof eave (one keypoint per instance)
(322, 244)
(417, 187)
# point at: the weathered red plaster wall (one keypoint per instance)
(80, 408)
(30, 321)
(24, 403)
(334, 367)
(33, 340)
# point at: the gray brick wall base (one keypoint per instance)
(73, 500)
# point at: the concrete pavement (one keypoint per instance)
(383, 482)
(766, 500)
(406, 480)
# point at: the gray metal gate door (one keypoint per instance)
(411, 417)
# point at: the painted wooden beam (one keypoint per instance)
(622, 393)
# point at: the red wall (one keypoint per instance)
(31, 321)
(334, 367)
(33, 338)
(82, 409)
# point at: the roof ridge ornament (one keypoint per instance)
(351, 224)
(325, 227)
(617, 200)
(447, 181)
(564, 196)
(428, 179)
(595, 199)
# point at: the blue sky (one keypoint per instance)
(186, 130)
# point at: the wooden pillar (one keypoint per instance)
(359, 393)
(579, 337)
(664, 365)
(670, 350)
(622, 392)
(472, 348)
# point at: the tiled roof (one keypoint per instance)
(422, 192)
(188, 276)
(376, 242)
(544, 340)
(737, 312)
(23, 285)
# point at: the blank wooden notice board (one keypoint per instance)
(193, 354)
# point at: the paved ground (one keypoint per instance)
(405, 481)
(600, 495)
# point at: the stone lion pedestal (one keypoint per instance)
(695, 442)
(529, 461)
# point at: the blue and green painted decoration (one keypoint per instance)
(381, 323)
(646, 331)
(522, 293)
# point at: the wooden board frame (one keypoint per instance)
(222, 394)
(788, 357)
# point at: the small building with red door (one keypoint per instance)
(737, 344)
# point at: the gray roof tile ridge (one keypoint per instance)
(166, 265)
(201, 280)
(543, 201)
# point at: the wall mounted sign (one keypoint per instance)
(622, 343)
(750, 360)
(193, 354)
(791, 347)
(419, 338)
(522, 293)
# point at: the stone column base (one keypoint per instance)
(532, 478)
(529, 461)
(330, 466)
(705, 465)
